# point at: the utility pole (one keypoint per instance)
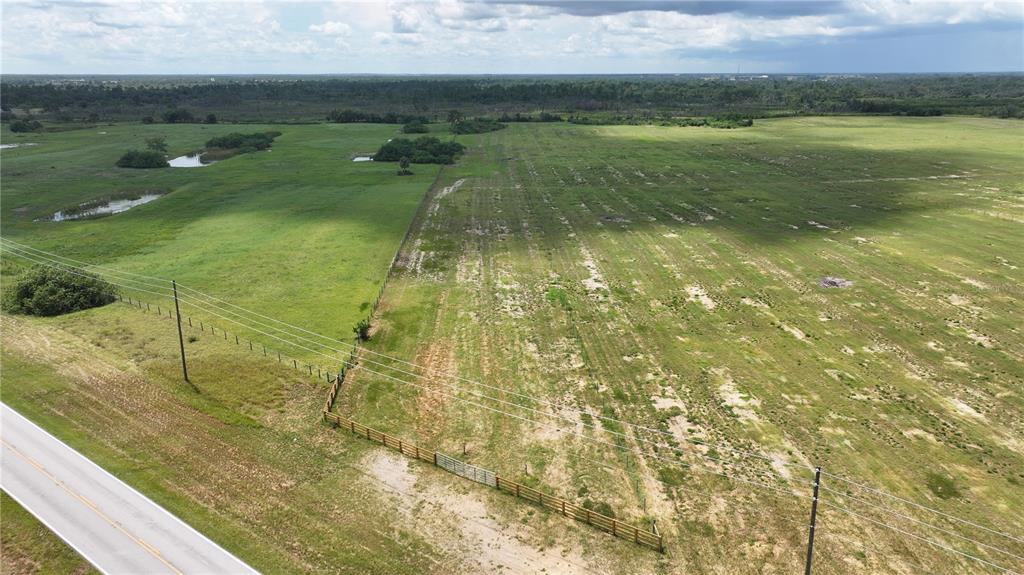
(814, 519)
(181, 340)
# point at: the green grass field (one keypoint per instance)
(663, 276)
(281, 229)
(669, 277)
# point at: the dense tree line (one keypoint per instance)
(401, 100)
(349, 116)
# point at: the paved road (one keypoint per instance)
(114, 527)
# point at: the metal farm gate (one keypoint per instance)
(466, 470)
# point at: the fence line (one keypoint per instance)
(205, 327)
(481, 475)
(615, 527)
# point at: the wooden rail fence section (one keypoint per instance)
(610, 525)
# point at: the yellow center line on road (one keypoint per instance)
(85, 501)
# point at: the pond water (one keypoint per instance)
(186, 162)
(362, 159)
(6, 146)
(111, 207)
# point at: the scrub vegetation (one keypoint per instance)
(142, 159)
(45, 291)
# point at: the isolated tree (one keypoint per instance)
(403, 167)
(455, 116)
(211, 119)
(157, 143)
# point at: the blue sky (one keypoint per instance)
(510, 36)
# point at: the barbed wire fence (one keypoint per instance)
(983, 546)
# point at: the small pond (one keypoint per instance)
(192, 161)
(362, 159)
(7, 146)
(111, 207)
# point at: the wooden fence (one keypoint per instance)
(615, 527)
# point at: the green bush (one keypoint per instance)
(244, 142)
(362, 329)
(28, 125)
(179, 116)
(142, 159)
(422, 150)
(46, 291)
(415, 127)
(476, 126)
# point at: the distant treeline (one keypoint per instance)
(349, 116)
(400, 100)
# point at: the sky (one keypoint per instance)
(510, 37)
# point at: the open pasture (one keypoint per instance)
(674, 278)
(299, 230)
(669, 277)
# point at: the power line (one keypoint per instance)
(43, 258)
(190, 301)
(447, 374)
(923, 523)
(515, 416)
(78, 273)
(924, 507)
(58, 259)
(842, 509)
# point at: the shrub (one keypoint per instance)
(46, 291)
(243, 142)
(599, 507)
(476, 126)
(157, 144)
(422, 150)
(27, 125)
(179, 116)
(147, 119)
(362, 329)
(415, 127)
(210, 119)
(142, 159)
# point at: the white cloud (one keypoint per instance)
(332, 27)
(140, 36)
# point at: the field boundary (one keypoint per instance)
(610, 525)
(615, 527)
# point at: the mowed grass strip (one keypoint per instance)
(29, 547)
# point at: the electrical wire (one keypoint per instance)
(201, 295)
(919, 522)
(923, 507)
(842, 509)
